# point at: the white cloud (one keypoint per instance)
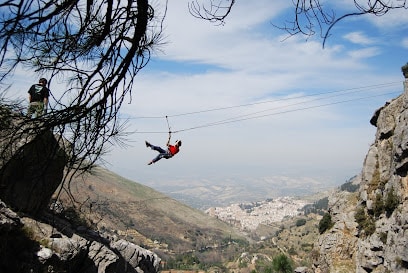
(364, 53)
(247, 63)
(257, 66)
(358, 38)
(395, 18)
(405, 43)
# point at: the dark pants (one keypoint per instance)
(162, 153)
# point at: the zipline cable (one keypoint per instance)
(289, 105)
(247, 117)
(222, 122)
(345, 92)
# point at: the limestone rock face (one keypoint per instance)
(30, 245)
(32, 163)
(8, 219)
(336, 246)
(139, 258)
(31, 166)
(370, 226)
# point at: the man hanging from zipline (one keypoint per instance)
(168, 153)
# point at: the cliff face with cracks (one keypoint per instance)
(32, 238)
(54, 245)
(370, 231)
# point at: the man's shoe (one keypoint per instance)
(150, 163)
(148, 144)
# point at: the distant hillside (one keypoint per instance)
(143, 215)
(204, 194)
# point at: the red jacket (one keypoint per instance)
(173, 149)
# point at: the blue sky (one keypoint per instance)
(248, 67)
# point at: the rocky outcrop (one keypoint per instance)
(32, 162)
(29, 245)
(336, 247)
(370, 226)
(9, 220)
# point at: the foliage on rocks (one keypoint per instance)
(326, 223)
(282, 264)
(365, 222)
(391, 202)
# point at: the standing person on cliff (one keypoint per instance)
(38, 98)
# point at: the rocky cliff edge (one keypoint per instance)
(370, 227)
(35, 240)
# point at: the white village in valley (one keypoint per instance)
(247, 216)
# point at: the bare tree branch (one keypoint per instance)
(309, 16)
(212, 11)
(97, 47)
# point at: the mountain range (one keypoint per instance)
(203, 194)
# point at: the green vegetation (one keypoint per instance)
(388, 205)
(184, 261)
(365, 222)
(326, 223)
(300, 222)
(383, 237)
(349, 186)
(369, 227)
(236, 241)
(318, 207)
(378, 205)
(243, 264)
(296, 242)
(292, 251)
(360, 216)
(404, 70)
(391, 202)
(322, 204)
(307, 247)
(375, 181)
(282, 264)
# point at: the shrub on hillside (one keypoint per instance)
(365, 222)
(318, 207)
(360, 215)
(282, 264)
(378, 205)
(350, 187)
(391, 202)
(326, 223)
(322, 203)
(300, 222)
(369, 227)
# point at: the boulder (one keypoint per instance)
(32, 165)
